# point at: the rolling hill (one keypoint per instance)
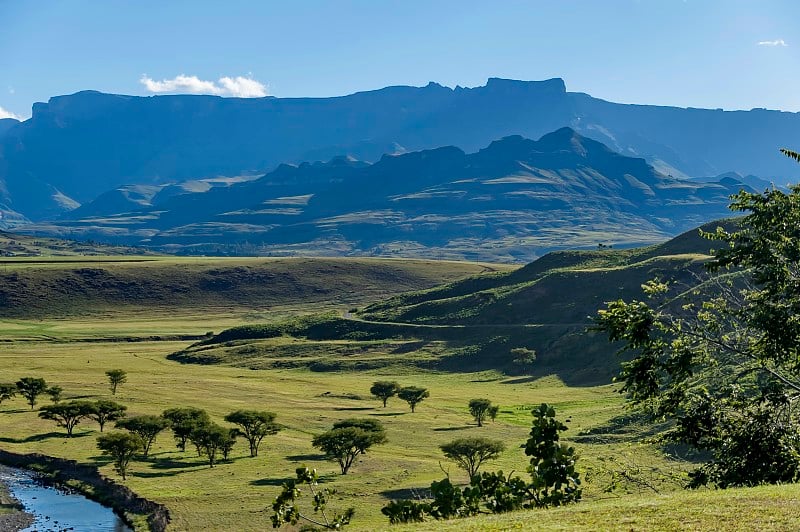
(474, 323)
(512, 201)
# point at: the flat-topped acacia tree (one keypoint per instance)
(31, 388)
(146, 427)
(254, 426)
(383, 390)
(413, 395)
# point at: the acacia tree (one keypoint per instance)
(480, 409)
(103, 411)
(31, 388)
(115, 378)
(183, 421)
(349, 440)
(66, 415)
(413, 395)
(725, 365)
(211, 439)
(122, 447)
(383, 390)
(254, 426)
(470, 453)
(146, 427)
(287, 511)
(55, 393)
(7, 391)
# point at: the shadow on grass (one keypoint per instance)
(385, 414)
(520, 380)
(45, 436)
(353, 408)
(311, 457)
(281, 481)
(448, 429)
(407, 493)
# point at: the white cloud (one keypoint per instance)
(776, 42)
(8, 114)
(239, 87)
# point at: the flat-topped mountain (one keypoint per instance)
(76, 147)
(513, 200)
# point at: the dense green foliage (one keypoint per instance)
(725, 365)
(383, 390)
(66, 415)
(254, 426)
(183, 421)
(55, 393)
(103, 411)
(31, 388)
(413, 395)
(348, 439)
(146, 427)
(7, 391)
(554, 480)
(211, 439)
(471, 453)
(122, 447)
(480, 409)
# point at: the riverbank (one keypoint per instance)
(12, 516)
(134, 510)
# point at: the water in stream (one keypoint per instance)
(57, 510)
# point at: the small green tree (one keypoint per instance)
(103, 411)
(7, 391)
(345, 443)
(183, 421)
(493, 411)
(31, 388)
(413, 395)
(470, 453)
(254, 426)
(480, 409)
(66, 415)
(383, 390)
(55, 393)
(286, 510)
(146, 427)
(523, 358)
(211, 439)
(115, 378)
(554, 479)
(122, 447)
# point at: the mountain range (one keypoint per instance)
(75, 148)
(513, 200)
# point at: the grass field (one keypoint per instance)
(73, 350)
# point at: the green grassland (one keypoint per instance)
(296, 348)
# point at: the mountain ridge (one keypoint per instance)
(512, 200)
(76, 147)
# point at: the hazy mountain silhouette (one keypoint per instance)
(512, 200)
(80, 146)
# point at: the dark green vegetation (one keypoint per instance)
(237, 288)
(724, 364)
(474, 324)
(80, 146)
(554, 479)
(512, 201)
(348, 439)
(17, 245)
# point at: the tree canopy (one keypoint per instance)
(471, 453)
(349, 440)
(31, 388)
(413, 395)
(383, 390)
(254, 426)
(724, 360)
(146, 427)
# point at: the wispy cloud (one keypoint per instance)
(776, 42)
(239, 86)
(8, 114)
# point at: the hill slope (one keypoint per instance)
(473, 324)
(78, 146)
(511, 201)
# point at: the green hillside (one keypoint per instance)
(473, 324)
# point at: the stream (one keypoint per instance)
(58, 510)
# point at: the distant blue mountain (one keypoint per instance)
(513, 200)
(76, 147)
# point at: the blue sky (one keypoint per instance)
(727, 53)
